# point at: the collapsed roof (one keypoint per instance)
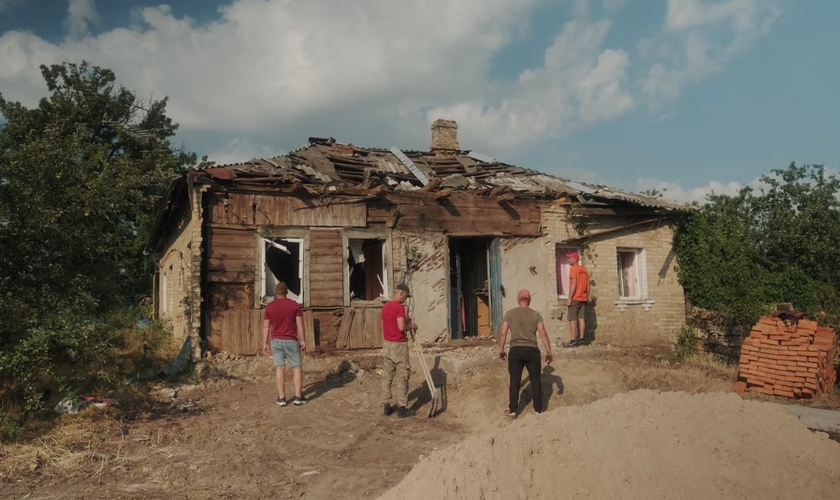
(324, 166)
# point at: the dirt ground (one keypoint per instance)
(221, 435)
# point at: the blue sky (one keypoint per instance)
(687, 95)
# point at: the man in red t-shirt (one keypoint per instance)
(578, 297)
(283, 325)
(395, 366)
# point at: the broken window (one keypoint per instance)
(367, 274)
(630, 264)
(563, 268)
(283, 262)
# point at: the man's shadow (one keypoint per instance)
(346, 372)
(549, 380)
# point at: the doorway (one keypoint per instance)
(473, 278)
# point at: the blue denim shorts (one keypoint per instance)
(286, 350)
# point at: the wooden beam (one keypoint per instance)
(443, 193)
(431, 186)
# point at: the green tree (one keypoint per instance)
(80, 175)
(740, 254)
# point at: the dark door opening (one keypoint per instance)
(469, 287)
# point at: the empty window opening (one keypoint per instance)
(630, 274)
(366, 269)
(469, 293)
(283, 261)
(563, 268)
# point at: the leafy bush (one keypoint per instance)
(687, 345)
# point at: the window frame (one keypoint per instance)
(639, 272)
(296, 235)
(387, 265)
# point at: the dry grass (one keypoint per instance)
(93, 442)
(77, 443)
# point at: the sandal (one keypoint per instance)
(510, 415)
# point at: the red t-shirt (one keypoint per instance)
(391, 311)
(283, 314)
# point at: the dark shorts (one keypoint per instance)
(577, 309)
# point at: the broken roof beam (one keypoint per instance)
(414, 169)
(443, 193)
(432, 185)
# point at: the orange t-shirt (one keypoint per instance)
(581, 277)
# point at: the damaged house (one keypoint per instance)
(341, 225)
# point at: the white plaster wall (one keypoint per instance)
(518, 256)
(429, 285)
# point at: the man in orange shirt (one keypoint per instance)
(578, 296)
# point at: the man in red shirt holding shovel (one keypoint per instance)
(395, 365)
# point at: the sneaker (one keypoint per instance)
(571, 343)
(389, 410)
(403, 412)
(299, 401)
(281, 402)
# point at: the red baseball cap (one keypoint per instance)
(523, 294)
(573, 255)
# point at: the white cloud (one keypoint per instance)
(700, 38)
(677, 192)
(79, 14)
(277, 71)
(580, 83)
(240, 150)
(280, 65)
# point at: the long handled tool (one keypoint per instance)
(438, 396)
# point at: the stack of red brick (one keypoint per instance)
(796, 361)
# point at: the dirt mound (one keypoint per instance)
(641, 444)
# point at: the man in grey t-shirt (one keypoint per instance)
(524, 323)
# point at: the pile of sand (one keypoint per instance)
(641, 444)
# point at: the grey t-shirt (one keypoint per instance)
(523, 323)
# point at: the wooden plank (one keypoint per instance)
(280, 210)
(326, 251)
(373, 326)
(357, 330)
(309, 331)
(343, 341)
(246, 276)
(329, 267)
(331, 277)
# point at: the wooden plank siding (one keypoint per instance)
(326, 268)
(231, 255)
(251, 210)
(465, 215)
(231, 320)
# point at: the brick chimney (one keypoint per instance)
(444, 136)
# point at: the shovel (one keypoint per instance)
(438, 395)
